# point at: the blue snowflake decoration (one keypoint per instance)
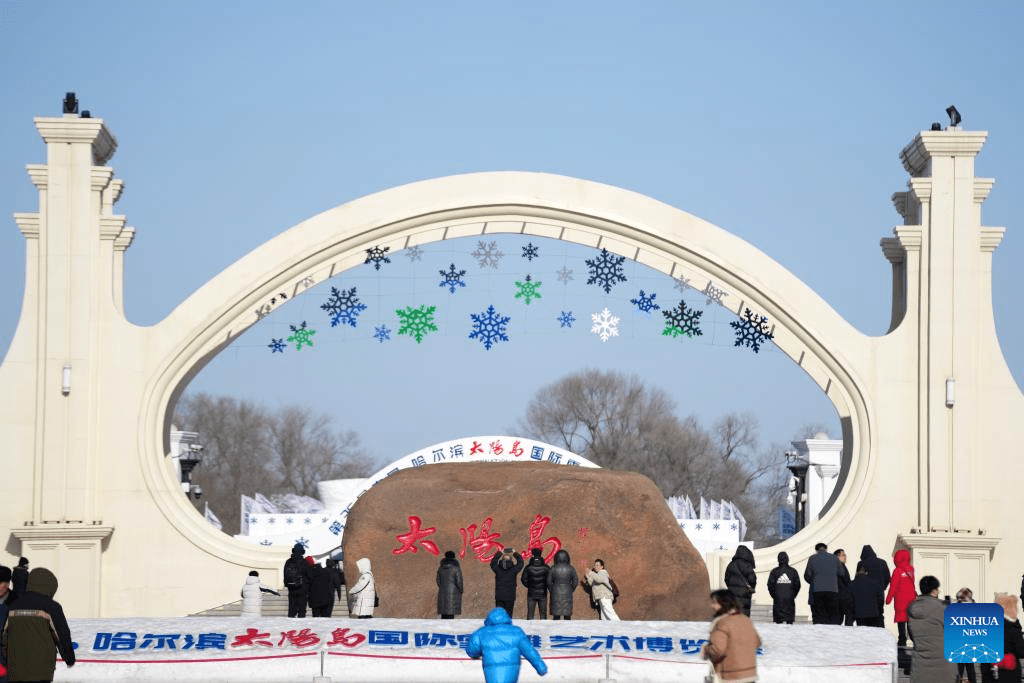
(606, 270)
(645, 304)
(416, 322)
(489, 327)
(301, 335)
(414, 253)
(531, 252)
(382, 333)
(375, 255)
(452, 278)
(753, 330)
(566, 319)
(344, 307)
(276, 345)
(528, 289)
(682, 320)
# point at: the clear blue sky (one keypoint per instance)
(780, 122)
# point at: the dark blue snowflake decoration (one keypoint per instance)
(644, 303)
(752, 330)
(376, 256)
(606, 270)
(566, 319)
(682, 320)
(489, 327)
(276, 345)
(531, 252)
(452, 278)
(382, 333)
(344, 307)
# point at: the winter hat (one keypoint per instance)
(1009, 605)
(449, 554)
(783, 558)
(298, 549)
(5, 574)
(310, 561)
(508, 551)
(254, 573)
(536, 552)
(965, 595)
(23, 562)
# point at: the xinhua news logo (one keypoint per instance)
(973, 632)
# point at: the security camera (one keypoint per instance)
(196, 491)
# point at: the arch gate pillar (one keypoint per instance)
(942, 297)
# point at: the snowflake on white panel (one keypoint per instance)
(605, 325)
(487, 254)
(414, 253)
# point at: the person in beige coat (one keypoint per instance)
(732, 645)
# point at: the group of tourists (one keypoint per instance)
(316, 586)
(549, 588)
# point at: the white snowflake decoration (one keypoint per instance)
(682, 283)
(487, 254)
(605, 326)
(565, 274)
(414, 253)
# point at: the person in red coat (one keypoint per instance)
(901, 592)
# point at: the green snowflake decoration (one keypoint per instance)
(416, 322)
(301, 335)
(528, 289)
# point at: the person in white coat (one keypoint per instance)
(362, 596)
(252, 595)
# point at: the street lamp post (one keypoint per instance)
(191, 455)
(798, 485)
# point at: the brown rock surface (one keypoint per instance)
(620, 517)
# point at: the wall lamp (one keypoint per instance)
(950, 392)
(65, 379)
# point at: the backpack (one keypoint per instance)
(293, 576)
(615, 589)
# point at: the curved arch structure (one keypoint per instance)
(92, 489)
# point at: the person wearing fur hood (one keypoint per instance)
(732, 645)
(1013, 644)
(901, 592)
(252, 595)
(363, 595)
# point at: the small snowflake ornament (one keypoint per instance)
(487, 254)
(452, 278)
(752, 331)
(644, 303)
(276, 345)
(566, 319)
(682, 283)
(528, 289)
(301, 335)
(376, 256)
(714, 294)
(414, 253)
(605, 325)
(489, 327)
(682, 320)
(564, 275)
(416, 322)
(382, 333)
(605, 270)
(530, 252)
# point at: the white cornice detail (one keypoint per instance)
(124, 240)
(899, 200)
(78, 130)
(928, 144)
(922, 188)
(893, 250)
(982, 186)
(909, 236)
(62, 532)
(100, 176)
(990, 238)
(39, 174)
(111, 226)
(28, 223)
(944, 541)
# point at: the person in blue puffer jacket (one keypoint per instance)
(501, 644)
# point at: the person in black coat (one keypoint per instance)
(784, 586)
(321, 589)
(865, 599)
(296, 580)
(562, 581)
(535, 578)
(740, 578)
(878, 570)
(506, 565)
(844, 589)
(449, 586)
(37, 631)
(19, 580)
(337, 578)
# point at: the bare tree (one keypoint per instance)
(249, 449)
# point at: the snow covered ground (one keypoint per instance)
(290, 650)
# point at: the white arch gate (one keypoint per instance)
(91, 493)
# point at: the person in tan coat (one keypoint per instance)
(732, 645)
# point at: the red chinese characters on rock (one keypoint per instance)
(252, 636)
(304, 638)
(415, 534)
(481, 545)
(536, 531)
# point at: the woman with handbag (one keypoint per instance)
(363, 595)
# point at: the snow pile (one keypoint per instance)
(289, 650)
